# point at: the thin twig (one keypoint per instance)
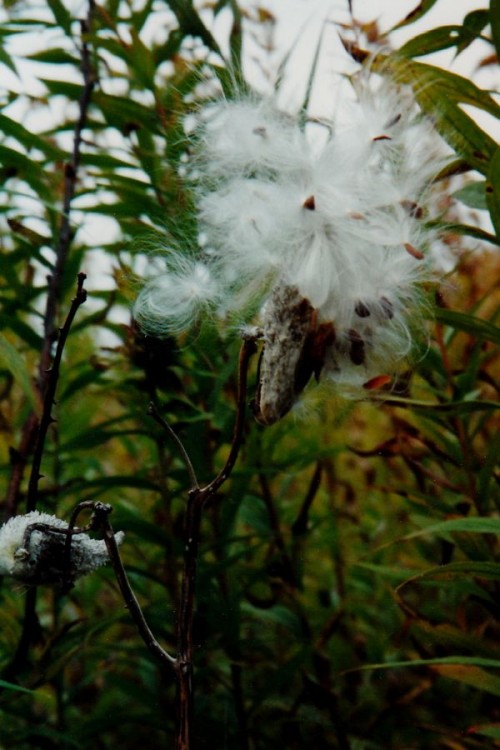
(50, 391)
(67, 582)
(248, 349)
(299, 526)
(153, 411)
(101, 512)
(196, 500)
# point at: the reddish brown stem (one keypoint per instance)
(198, 496)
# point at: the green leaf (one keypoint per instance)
(473, 195)
(487, 730)
(478, 327)
(236, 36)
(313, 70)
(15, 164)
(470, 675)
(474, 661)
(479, 234)
(422, 8)
(64, 88)
(7, 60)
(29, 139)
(474, 23)
(493, 190)
(486, 474)
(12, 360)
(192, 25)
(126, 114)
(277, 615)
(477, 20)
(61, 15)
(478, 569)
(439, 93)
(57, 56)
(12, 686)
(447, 407)
(141, 61)
(437, 39)
(495, 24)
(444, 528)
(105, 161)
(21, 329)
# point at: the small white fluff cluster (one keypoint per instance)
(345, 226)
(32, 550)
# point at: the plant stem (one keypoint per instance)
(101, 512)
(197, 498)
(49, 395)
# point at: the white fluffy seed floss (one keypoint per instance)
(333, 242)
(33, 550)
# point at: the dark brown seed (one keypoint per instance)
(382, 138)
(362, 310)
(393, 121)
(260, 131)
(357, 348)
(387, 307)
(309, 203)
(412, 209)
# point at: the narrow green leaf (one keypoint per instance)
(473, 195)
(126, 114)
(470, 675)
(141, 61)
(439, 93)
(171, 47)
(278, 615)
(15, 164)
(192, 25)
(487, 730)
(448, 407)
(236, 36)
(486, 474)
(478, 569)
(141, 16)
(57, 56)
(12, 686)
(474, 23)
(437, 39)
(7, 60)
(474, 661)
(477, 20)
(495, 24)
(478, 327)
(457, 87)
(12, 360)
(468, 525)
(422, 8)
(479, 234)
(29, 139)
(61, 15)
(65, 88)
(493, 190)
(313, 69)
(21, 329)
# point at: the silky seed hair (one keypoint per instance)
(346, 224)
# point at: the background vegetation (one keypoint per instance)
(348, 592)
